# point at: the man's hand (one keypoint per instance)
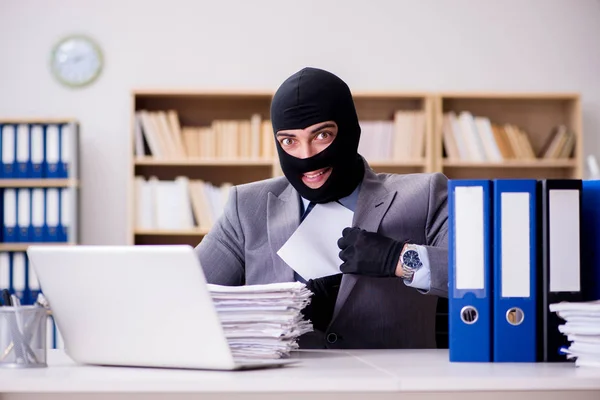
(322, 304)
(368, 253)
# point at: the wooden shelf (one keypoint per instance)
(157, 232)
(565, 163)
(149, 161)
(536, 113)
(17, 121)
(511, 95)
(38, 183)
(24, 246)
(171, 92)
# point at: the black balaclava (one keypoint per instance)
(308, 97)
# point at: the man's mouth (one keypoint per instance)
(315, 175)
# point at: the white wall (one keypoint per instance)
(509, 45)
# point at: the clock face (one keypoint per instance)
(76, 61)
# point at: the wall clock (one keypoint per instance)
(76, 61)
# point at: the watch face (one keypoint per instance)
(411, 259)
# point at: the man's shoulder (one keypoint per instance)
(260, 189)
(395, 181)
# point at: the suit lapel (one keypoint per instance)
(374, 201)
(283, 217)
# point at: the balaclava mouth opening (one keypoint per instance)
(309, 97)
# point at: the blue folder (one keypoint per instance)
(52, 151)
(9, 150)
(37, 151)
(9, 216)
(470, 270)
(590, 239)
(515, 275)
(23, 152)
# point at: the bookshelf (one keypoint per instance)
(198, 110)
(385, 117)
(534, 114)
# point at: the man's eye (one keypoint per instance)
(323, 135)
(287, 142)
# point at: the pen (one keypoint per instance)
(6, 297)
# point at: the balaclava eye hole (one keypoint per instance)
(308, 97)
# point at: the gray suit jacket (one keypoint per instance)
(259, 217)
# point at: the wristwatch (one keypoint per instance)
(410, 262)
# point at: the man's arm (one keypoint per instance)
(221, 252)
(372, 254)
(436, 234)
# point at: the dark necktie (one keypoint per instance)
(308, 209)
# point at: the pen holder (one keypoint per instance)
(23, 337)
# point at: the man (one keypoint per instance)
(395, 255)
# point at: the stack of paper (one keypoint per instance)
(582, 329)
(262, 321)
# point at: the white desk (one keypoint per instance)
(348, 375)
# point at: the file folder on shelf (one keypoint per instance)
(8, 151)
(18, 274)
(590, 221)
(68, 144)
(37, 152)
(10, 234)
(23, 155)
(470, 269)
(38, 216)
(514, 302)
(24, 214)
(52, 151)
(5, 281)
(65, 215)
(559, 275)
(52, 214)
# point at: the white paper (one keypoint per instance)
(582, 329)
(516, 257)
(262, 321)
(564, 241)
(469, 251)
(312, 250)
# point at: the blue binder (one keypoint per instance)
(2, 220)
(38, 215)
(9, 150)
(61, 230)
(515, 261)
(66, 149)
(590, 239)
(9, 220)
(24, 215)
(52, 214)
(37, 151)
(1, 154)
(23, 154)
(18, 273)
(52, 151)
(5, 281)
(470, 270)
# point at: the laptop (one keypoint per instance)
(145, 306)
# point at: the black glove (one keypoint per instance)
(368, 253)
(322, 304)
